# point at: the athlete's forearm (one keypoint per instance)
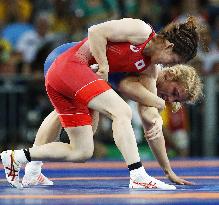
(135, 91)
(149, 116)
(159, 150)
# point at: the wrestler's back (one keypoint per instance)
(122, 56)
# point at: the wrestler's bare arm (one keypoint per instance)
(149, 82)
(135, 88)
(130, 30)
(152, 123)
(150, 115)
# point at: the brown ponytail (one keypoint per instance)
(191, 22)
(184, 37)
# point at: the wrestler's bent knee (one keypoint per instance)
(123, 112)
(82, 155)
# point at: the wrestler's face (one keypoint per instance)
(171, 91)
(163, 54)
(168, 58)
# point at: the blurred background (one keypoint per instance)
(31, 29)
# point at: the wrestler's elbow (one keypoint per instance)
(91, 31)
(122, 86)
(126, 89)
(96, 31)
(149, 116)
(128, 84)
(148, 120)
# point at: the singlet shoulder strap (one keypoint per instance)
(150, 37)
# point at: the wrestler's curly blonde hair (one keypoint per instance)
(188, 77)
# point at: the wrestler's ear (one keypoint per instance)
(168, 45)
(169, 75)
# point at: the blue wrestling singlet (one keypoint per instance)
(55, 53)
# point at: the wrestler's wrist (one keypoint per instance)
(104, 66)
(167, 170)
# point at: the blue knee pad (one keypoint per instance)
(55, 53)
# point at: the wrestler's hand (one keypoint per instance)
(174, 178)
(103, 72)
(161, 104)
(94, 67)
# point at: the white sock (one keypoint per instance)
(33, 167)
(138, 172)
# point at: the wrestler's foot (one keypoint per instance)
(33, 180)
(148, 182)
(140, 179)
(12, 168)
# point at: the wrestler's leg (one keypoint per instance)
(50, 128)
(49, 131)
(113, 106)
(95, 120)
(79, 149)
(53, 126)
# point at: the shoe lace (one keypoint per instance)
(13, 172)
(149, 185)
